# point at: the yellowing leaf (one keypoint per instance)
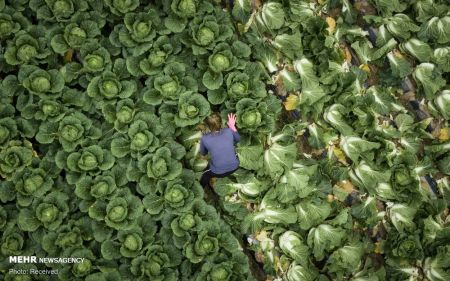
(330, 198)
(68, 56)
(346, 185)
(365, 67)
(331, 24)
(377, 249)
(398, 54)
(347, 54)
(277, 263)
(339, 154)
(443, 134)
(285, 263)
(247, 26)
(291, 102)
(261, 236)
(35, 153)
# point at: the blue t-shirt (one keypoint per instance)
(221, 147)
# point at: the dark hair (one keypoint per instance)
(213, 122)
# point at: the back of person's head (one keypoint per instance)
(213, 122)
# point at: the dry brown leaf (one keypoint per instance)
(256, 4)
(259, 257)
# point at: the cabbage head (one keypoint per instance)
(48, 212)
(160, 165)
(155, 264)
(120, 213)
(44, 83)
(14, 157)
(122, 7)
(32, 183)
(11, 23)
(192, 108)
(253, 115)
(170, 85)
(173, 195)
(95, 58)
(404, 245)
(202, 245)
(12, 241)
(109, 86)
(184, 8)
(27, 47)
(206, 32)
(137, 33)
(222, 58)
(88, 160)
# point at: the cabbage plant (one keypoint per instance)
(192, 108)
(176, 195)
(206, 32)
(170, 85)
(41, 82)
(12, 22)
(95, 58)
(28, 46)
(254, 116)
(57, 10)
(71, 131)
(80, 31)
(153, 61)
(137, 32)
(8, 129)
(109, 86)
(15, 157)
(89, 160)
(47, 212)
(121, 7)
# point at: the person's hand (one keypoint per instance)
(232, 121)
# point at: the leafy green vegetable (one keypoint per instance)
(342, 109)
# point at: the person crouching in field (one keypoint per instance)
(219, 143)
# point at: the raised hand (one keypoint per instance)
(232, 121)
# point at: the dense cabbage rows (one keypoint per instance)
(355, 185)
(343, 108)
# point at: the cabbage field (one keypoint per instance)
(343, 107)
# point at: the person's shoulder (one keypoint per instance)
(207, 135)
(227, 131)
